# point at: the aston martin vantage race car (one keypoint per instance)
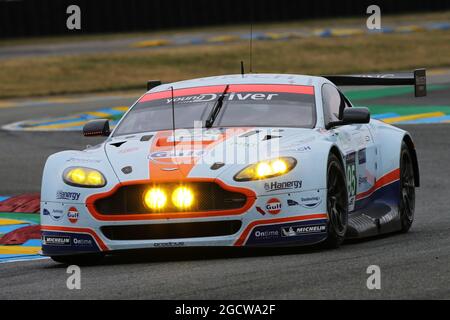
(234, 160)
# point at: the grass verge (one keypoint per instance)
(22, 77)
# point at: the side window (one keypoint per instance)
(331, 103)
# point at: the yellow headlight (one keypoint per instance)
(279, 166)
(84, 177)
(263, 169)
(182, 197)
(155, 198)
(77, 175)
(266, 169)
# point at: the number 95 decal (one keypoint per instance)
(350, 169)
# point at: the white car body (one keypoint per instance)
(287, 210)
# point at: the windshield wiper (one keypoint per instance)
(216, 109)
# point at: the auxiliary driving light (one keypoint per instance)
(155, 198)
(182, 197)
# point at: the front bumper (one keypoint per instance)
(272, 220)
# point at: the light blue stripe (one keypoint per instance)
(12, 257)
(32, 243)
(3, 198)
(11, 227)
(384, 116)
(427, 120)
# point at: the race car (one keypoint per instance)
(233, 160)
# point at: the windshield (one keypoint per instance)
(243, 106)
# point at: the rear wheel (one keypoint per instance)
(407, 189)
(337, 203)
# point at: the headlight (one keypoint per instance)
(155, 198)
(266, 169)
(84, 177)
(182, 197)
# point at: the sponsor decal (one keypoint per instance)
(305, 232)
(84, 160)
(310, 202)
(260, 210)
(307, 202)
(129, 150)
(45, 212)
(56, 240)
(56, 214)
(286, 185)
(82, 242)
(207, 97)
(273, 206)
(177, 154)
(268, 234)
(301, 230)
(362, 180)
(297, 149)
(73, 214)
(63, 195)
(169, 244)
(362, 156)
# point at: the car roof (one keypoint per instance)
(251, 78)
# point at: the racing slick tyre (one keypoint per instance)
(337, 203)
(407, 189)
(80, 259)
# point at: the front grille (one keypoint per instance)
(208, 197)
(172, 230)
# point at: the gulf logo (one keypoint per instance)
(273, 206)
(73, 214)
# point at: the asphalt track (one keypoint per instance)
(415, 265)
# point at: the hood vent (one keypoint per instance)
(117, 144)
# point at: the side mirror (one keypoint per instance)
(98, 127)
(352, 116)
(356, 115)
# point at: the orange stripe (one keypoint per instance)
(281, 88)
(246, 232)
(160, 170)
(383, 181)
(91, 232)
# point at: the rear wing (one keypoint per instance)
(417, 78)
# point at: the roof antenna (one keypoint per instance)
(173, 123)
(251, 36)
(242, 68)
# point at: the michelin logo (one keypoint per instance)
(302, 230)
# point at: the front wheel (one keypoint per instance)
(407, 189)
(337, 203)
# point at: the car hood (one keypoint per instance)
(200, 153)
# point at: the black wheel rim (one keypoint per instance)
(337, 200)
(407, 188)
